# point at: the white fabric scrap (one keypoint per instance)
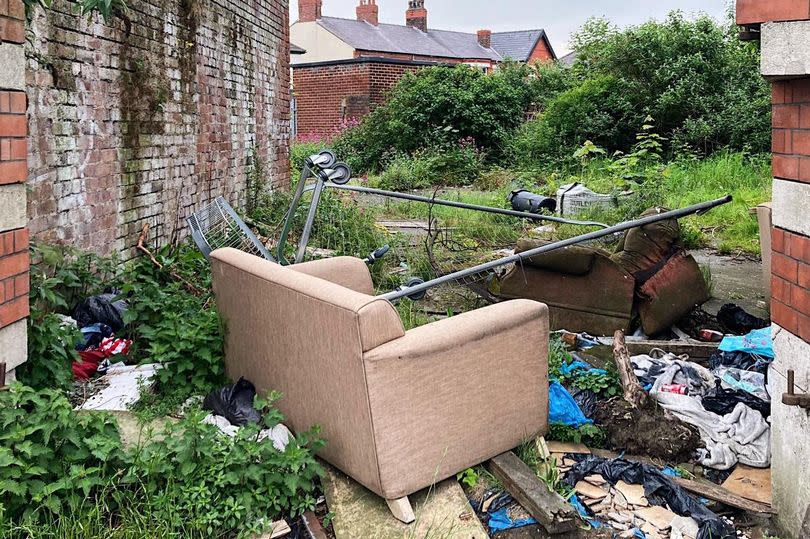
(280, 435)
(123, 389)
(684, 528)
(741, 436)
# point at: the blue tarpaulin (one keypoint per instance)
(500, 520)
(562, 408)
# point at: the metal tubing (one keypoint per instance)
(288, 220)
(313, 210)
(621, 227)
(463, 205)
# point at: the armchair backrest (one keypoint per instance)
(305, 336)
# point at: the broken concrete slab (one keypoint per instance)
(658, 516)
(634, 494)
(590, 491)
(441, 511)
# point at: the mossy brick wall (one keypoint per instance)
(145, 119)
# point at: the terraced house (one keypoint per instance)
(350, 64)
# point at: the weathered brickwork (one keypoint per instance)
(13, 276)
(541, 53)
(791, 130)
(328, 94)
(146, 120)
(12, 17)
(790, 304)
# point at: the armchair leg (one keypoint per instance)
(401, 509)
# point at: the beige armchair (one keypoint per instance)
(400, 411)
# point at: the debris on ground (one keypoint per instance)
(234, 403)
(121, 387)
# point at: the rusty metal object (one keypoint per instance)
(791, 398)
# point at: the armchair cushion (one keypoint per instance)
(572, 260)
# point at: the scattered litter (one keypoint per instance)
(123, 390)
(563, 408)
(526, 201)
(747, 381)
(758, 342)
(234, 403)
(574, 197)
(500, 521)
(738, 321)
(659, 490)
(280, 435)
(93, 335)
(102, 309)
(94, 359)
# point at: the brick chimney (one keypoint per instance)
(309, 10)
(485, 38)
(416, 16)
(369, 11)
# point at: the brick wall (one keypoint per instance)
(330, 93)
(791, 251)
(146, 125)
(14, 261)
(541, 53)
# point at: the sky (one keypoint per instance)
(559, 18)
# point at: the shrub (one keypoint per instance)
(695, 77)
(603, 110)
(437, 105)
(444, 165)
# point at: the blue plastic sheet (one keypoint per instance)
(568, 369)
(759, 342)
(573, 500)
(563, 408)
(500, 520)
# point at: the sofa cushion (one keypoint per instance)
(573, 260)
(671, 293)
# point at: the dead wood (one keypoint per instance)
(633, 392)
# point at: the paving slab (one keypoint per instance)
(441, 511)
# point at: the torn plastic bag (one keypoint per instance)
(739, 360)
(234, 403)
(103, 309)
(500, 521)
(722, 401)
(586, 400)
(748, 381)
(658, 489)
(563, 408)
(739, 322)
(92, 336)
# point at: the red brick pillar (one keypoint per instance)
(14, 261)
(784, 30)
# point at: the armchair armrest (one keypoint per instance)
(345, 271)
(457, 392)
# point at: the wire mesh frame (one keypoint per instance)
(217, 226)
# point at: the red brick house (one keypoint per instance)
(350, 64)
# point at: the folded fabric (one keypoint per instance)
(650, 368)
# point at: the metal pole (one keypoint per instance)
(463, 205)
(313, 210)
(306, 172)
(621, 227)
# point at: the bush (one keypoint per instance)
(695, 77)
(445, 165)
(435, 106)
(603, 110)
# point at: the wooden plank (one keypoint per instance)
(704, 488)
(548, 508)
(313, 525)
(697, 351)
(751, 483)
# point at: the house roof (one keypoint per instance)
(295, 49)
(569, 59)
(393, 38)
(519, 45)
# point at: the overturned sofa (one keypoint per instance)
(399, 410)
(650, 276)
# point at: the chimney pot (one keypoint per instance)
(309, 10)
(369, 11)
(416, 16)
(485, 38)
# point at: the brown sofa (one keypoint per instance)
(584, 289)
(399, 410)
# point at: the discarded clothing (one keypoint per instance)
(279, 435)
(88, 366)
(759, 342)
(650, 368)
(658, 489)
(739, 322)
(113, 347)
(563, 408)
(93, 335)
(102, 309)
(748, 381)
(500, 521)
(741, 436)
(234, 403)
(722, 401)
